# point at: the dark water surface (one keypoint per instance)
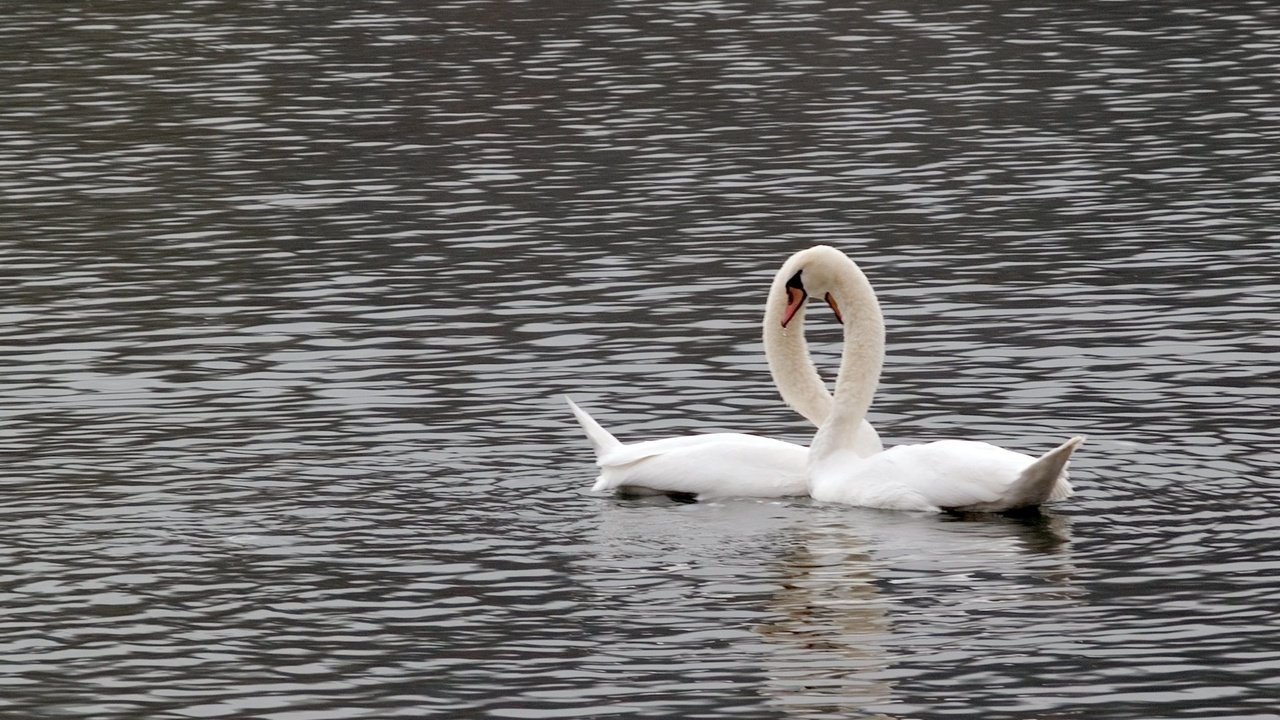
(292, 291)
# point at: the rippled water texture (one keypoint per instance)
(292, 291)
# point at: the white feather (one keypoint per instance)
(726, 464)
(949, 474)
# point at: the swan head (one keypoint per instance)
(821, 271)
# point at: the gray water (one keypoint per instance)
(292, 292)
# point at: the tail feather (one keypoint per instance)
(601, 441)
(1039, 482)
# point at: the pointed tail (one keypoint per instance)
(601, 441)
(1045, 479)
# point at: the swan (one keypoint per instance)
(943, 475)
(736, 464)
(709, 465)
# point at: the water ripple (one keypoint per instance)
(293, 293)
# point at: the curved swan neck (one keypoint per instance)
(860, 362)
(790, 364)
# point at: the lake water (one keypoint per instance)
(292, 293)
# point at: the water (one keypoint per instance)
(292, 292)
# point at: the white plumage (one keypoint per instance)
(845, 463)
(711, 465)
(735, 464)
(948, 474)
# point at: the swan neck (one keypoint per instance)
(860, 362)
(790, 363)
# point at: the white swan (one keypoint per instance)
(949, 474)
(736, 464)
(711, 465)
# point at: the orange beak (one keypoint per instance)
(795, 298)
(834, 308)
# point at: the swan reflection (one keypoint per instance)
(815, 610)
(862, 590)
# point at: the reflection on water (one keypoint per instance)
(845, 642)
(292, 291)
(832, 625)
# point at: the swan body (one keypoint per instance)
(710, 465)
(735, 464)
(943, 475)
(948, 475)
